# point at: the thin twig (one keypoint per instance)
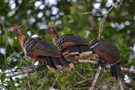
(28, 82)
(55, 80)
(120, 84)
(78, 83)
(109, 17)
(104, 19)
(83, 77)
(95, 79)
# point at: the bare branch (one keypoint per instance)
(88, 79)
(127, 70)
(112, 17)
(25, 71)
(95, 79)
(120, 84)
(104, 19)
(55, 80)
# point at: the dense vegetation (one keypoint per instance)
(79, 17)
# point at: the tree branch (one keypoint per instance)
(127, 70)
(115, 18)
(104, 19)
(95, 79)
(120, 84)
(13, 74)
(110, 17)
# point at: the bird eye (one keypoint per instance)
(17, 29)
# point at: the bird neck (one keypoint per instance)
(22, 38)
(54, 37)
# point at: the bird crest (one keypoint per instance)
(16, 27)
(51, 25)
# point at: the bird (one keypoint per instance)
(70, 45)
(109, 53)
(42, 49)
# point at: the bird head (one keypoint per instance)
(51, 29)
(17, 30)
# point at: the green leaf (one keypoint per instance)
(9, 57)
(10, 84)
(3, 76)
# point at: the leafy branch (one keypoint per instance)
(13, 74)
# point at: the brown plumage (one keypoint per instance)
(41, 49)
(109, 53)
(69, 45)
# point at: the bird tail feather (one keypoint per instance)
(116, 71)
(54, 63)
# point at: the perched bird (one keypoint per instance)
(69, 45)
(108, 53)
(41, 49)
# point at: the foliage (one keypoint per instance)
(69, 16)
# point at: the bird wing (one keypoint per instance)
(40, 47)
(70, 40)
(107, 51)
